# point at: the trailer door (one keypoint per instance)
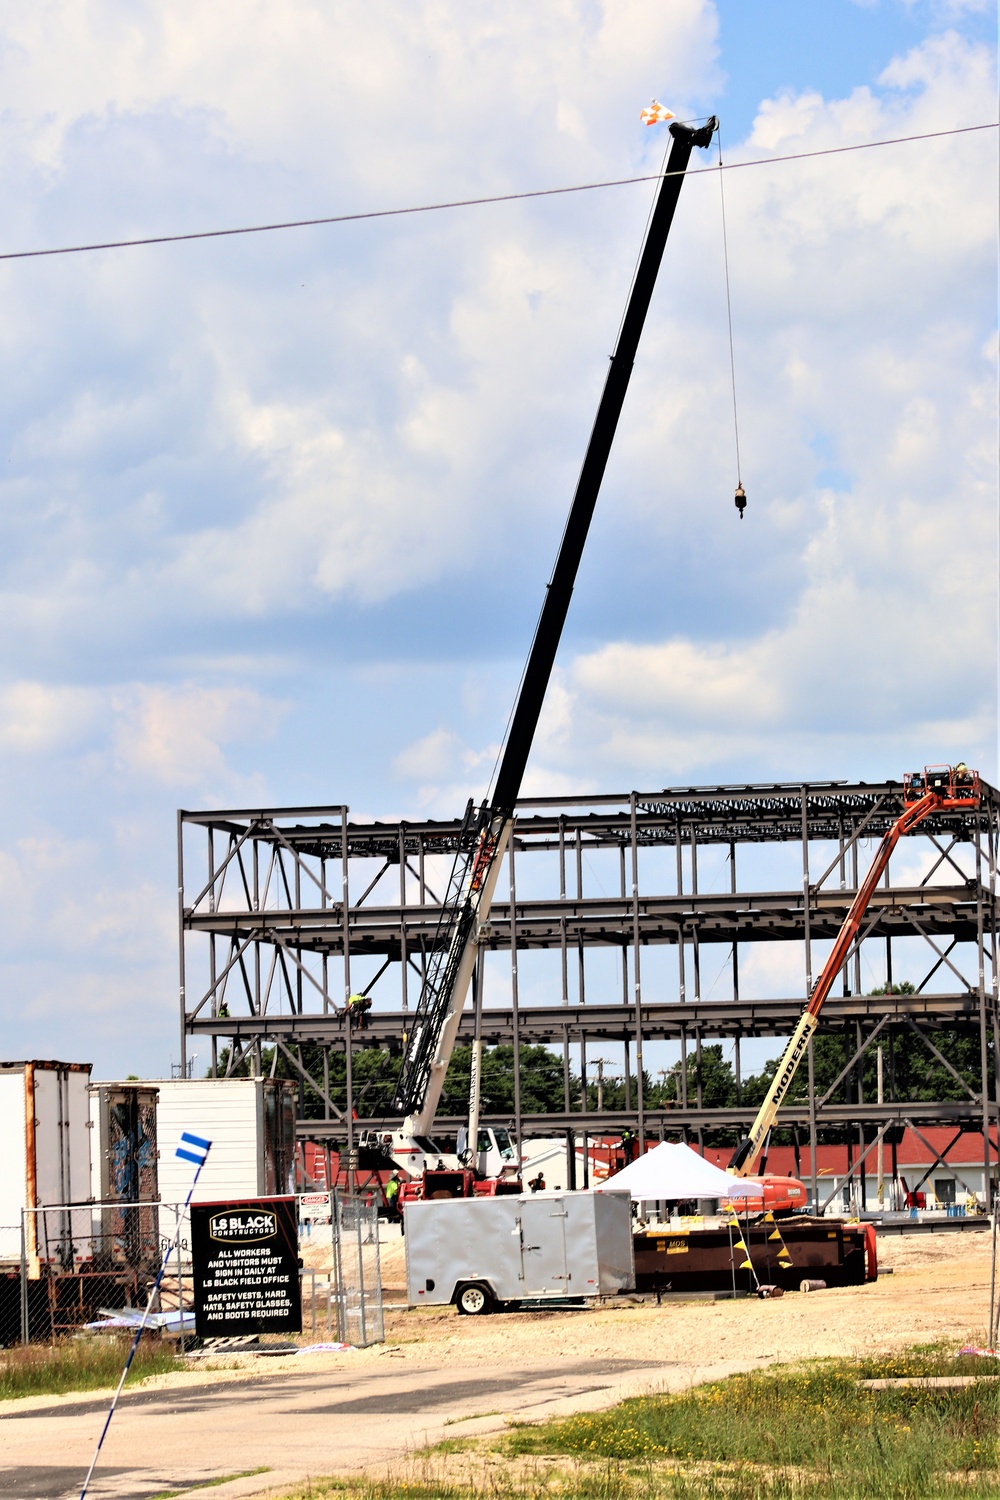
(543, 1247)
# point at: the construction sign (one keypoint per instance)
(245, 1259)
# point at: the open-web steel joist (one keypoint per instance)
(622, 920)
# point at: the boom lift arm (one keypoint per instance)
(487, 830)
(937, 789)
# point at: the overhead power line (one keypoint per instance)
(429, 208)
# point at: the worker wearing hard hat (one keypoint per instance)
(357, 1008)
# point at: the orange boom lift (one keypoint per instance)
(935, 789)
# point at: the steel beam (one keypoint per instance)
(256, 944)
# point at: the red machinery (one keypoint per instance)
(460, 1182)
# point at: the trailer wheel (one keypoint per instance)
(474, 1300)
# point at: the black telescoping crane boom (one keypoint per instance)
(487, 829)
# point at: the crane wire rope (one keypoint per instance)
(425, 208)
(729, 312)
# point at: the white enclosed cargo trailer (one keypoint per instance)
(485, 1253)
(45, 1129)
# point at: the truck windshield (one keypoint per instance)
(504, 1144)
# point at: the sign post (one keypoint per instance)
(245, 1262)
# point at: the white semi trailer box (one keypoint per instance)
(483, 1253)
(45, 1129)
(251, 1124)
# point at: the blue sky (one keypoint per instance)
(277, 512)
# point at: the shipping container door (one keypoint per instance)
(543, 1247)
(224, 1112)
(62, 1163)
(279, 1138)
(13, 1164)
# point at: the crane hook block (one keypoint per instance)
(741, 500)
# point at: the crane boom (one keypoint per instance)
(937, 789)
(486, 833)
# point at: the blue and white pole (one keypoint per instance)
(193, 1148)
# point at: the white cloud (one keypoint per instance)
(175, 735)
(260, 459)
(353, 425)
(171, 734)
(448, 772)
(36, 717)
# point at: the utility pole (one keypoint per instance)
(600, 1063)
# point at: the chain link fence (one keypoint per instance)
(69, 1268)
(359, 1272)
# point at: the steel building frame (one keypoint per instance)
(296, 905)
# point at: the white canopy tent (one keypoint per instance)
(675, 1171)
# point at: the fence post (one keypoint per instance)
(25, 1335)
(361, 1279)
(178, 1225)
(377, 1305)
(336, 1278)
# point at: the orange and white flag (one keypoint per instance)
(655, 114)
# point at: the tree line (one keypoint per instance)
(910, 1072)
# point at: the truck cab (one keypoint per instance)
(495, 1155)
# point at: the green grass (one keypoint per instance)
(807, 1432)
(84, 1364)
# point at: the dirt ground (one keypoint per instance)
(328, 1413)
(939, 1287)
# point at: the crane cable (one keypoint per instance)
(729, 313)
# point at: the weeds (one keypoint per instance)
(811, 1431)
(78, 1365)
(786, 1433)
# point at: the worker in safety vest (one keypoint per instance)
(358, 1007)
(628, 1145)
(392, 1195)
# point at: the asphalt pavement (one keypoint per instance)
(289, 1424)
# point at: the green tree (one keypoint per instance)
(541, 1081)
(716, 1076)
